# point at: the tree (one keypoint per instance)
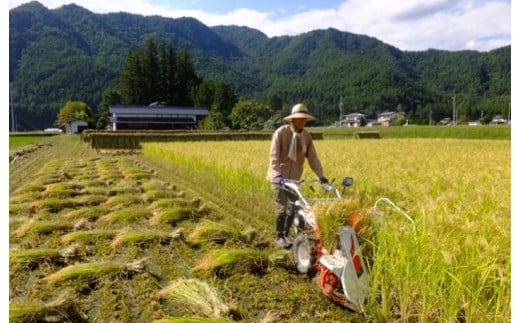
(132, 80)
(151, 72)
(203, 96)
(224, 99)
(109, 97)
(158, 74)
(214, 121)
(187, 78)
(249, 114)
(73, 110)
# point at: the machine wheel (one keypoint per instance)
(305, 253)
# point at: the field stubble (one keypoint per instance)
(99, 238)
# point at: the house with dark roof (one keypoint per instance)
(389, 118)
(155, 116)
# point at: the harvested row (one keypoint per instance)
(89, 235)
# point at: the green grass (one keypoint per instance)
(20, 139)
(502, 132)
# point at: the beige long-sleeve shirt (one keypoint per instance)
(279, 161)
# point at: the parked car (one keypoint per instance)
(445, 122)
(52, 130)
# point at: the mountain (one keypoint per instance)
(70, 53)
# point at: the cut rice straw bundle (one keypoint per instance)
(173, 215)
(169, 202)
(196, 296)
(88, 236)
(90, 213)
(33, 256)
(211, 231)
(89, 272)
(141, 237)
(63, 310)
(42, 227)
(84, 272)
(124, 215)
(230, 261)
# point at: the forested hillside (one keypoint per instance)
(70, 53)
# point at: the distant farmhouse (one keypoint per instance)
(353, 120)
(389, 118)
(75, 126)
(155, 116)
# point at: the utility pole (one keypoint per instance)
(340, 109)
(13, 119)
(430, 117)
(454, 120)
(509, 114)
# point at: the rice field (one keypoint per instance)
(455, 266)
(183, 232)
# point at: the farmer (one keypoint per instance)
(290, 145)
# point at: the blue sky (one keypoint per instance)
(409, 25)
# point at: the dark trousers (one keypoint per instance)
(283, 214)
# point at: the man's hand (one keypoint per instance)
(279, 180)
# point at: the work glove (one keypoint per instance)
(279, 180)
(324, 180)
(326, 185)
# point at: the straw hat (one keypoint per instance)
(299, 111)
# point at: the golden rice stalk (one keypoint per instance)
(91, 199)
(172, 215)
(230, 261)
(153, 194)
(42, 227)
(195, 295)
(24, 197)
(84, 272)
(330, 215)
(89, 213)
(156, 184)
(211, 231)
(60, 310)
(33, 256)
(88, 236)
(54, 205)
(271, 317)
(62, 189)
(124, 187)
(33, 187)
(18, 208)
(124, 215)
(140, 237)
(123, 200)
(163, 203)
(138, 175)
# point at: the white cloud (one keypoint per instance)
(408, 25)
